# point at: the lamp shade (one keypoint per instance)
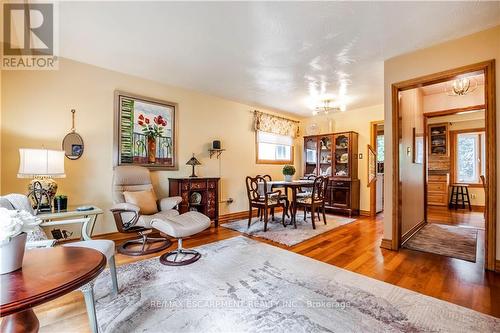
(41, 162)
(193, 161)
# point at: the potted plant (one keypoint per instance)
(288, 172)
(60, 203)
(13, 228)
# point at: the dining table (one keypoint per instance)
(294, 186)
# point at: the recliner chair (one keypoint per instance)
(127, 216)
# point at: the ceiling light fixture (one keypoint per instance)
(461, 87)
(326, 107)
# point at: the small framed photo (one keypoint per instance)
(76, 150)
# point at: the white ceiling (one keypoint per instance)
(278, 55)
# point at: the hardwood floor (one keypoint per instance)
(355, 247)
(459, 217)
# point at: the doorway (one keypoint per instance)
(412, 146)
(377, 186)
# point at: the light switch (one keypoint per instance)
(360, 156)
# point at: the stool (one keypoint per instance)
(181, 226)
(456, 191)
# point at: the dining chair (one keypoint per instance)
(306, 191)
(262, 200)
(314, 201)
(283, 197)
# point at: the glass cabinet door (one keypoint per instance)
(341, 168)
(311, 155)
(325, 155)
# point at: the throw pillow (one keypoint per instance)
(145, 200)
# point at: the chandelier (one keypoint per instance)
(461, 87)
(326, 107)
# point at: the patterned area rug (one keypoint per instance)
(446, 240)
(242, 285)
(288, 236)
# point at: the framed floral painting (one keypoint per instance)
(146, 132)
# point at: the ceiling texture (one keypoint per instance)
(281, 55)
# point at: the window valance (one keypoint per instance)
(274, 124)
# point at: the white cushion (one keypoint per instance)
(106, 247)
(145, 220)
(184, 225)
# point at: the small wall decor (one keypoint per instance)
(146, 132)
(72, 143)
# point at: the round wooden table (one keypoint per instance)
(46, 274)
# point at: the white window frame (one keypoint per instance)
(270, 138)
(480, 150)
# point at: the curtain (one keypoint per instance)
(273, 124)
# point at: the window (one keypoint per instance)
(274, 148)
(380, 148)
(470, 155)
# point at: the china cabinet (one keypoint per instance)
(335, 155)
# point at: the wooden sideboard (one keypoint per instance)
(208, 190)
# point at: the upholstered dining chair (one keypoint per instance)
(283, 197)
(316, 199)
(131, 218)
(263, 201)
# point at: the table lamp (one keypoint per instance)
(193, 161)
(42, 165)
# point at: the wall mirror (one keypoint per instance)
(73, 143)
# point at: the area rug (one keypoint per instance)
(242, 285)
(288, 236)
(446, 240)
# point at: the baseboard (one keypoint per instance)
(364, 213)
(386, 244)
(412, 231)
(236, 216)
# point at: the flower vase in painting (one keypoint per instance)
(146, 133)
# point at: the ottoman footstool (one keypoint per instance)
(179, 227)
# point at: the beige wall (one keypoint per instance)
(471, 49)
(36, 111)
(357, 120)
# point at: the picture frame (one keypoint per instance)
(145, 132)
(76, 149)
(418, 147)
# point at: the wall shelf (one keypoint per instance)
(216, 152)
